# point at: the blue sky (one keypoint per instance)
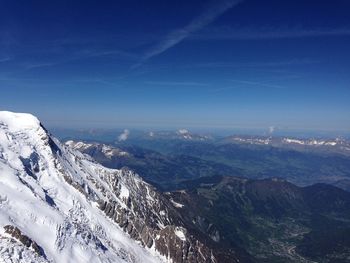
(248, 64)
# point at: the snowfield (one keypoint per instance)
(48, 201)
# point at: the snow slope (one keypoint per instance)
(49, 192)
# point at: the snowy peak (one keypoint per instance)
(336, 145)
(183, 131)
(311, 142)
(107, 150)
(181, 134)
(18, 121)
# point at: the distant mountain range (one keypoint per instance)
(168, 162)
(325, 145)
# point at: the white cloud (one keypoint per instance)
(124, 136)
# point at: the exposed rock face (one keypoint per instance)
(25, 240)
(147, 216)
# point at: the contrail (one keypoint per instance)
(178, 35)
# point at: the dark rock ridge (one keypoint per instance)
(151, 219)
(25, 240)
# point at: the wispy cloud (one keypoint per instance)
(177, 36)
(34, 65)
(90, 53)
(176, 83)
(100, 81)
(251, 33)
(247, 84)
(76, 55)
(35, 54)
(254, 83)
(264, 64)
(5, 59)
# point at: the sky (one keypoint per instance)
(127, 63)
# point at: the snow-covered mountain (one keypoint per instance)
(337, 145)
(107, 150)
(181, 134)
(59, 205)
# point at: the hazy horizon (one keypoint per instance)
(110, 134)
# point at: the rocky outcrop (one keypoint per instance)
(147, 216)
(25, 240)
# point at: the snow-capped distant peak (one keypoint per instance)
(326, 144)
(311, 142)
(107, 150)
(78, 145)
(185, 134)
(182, 131)
(296, 141)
